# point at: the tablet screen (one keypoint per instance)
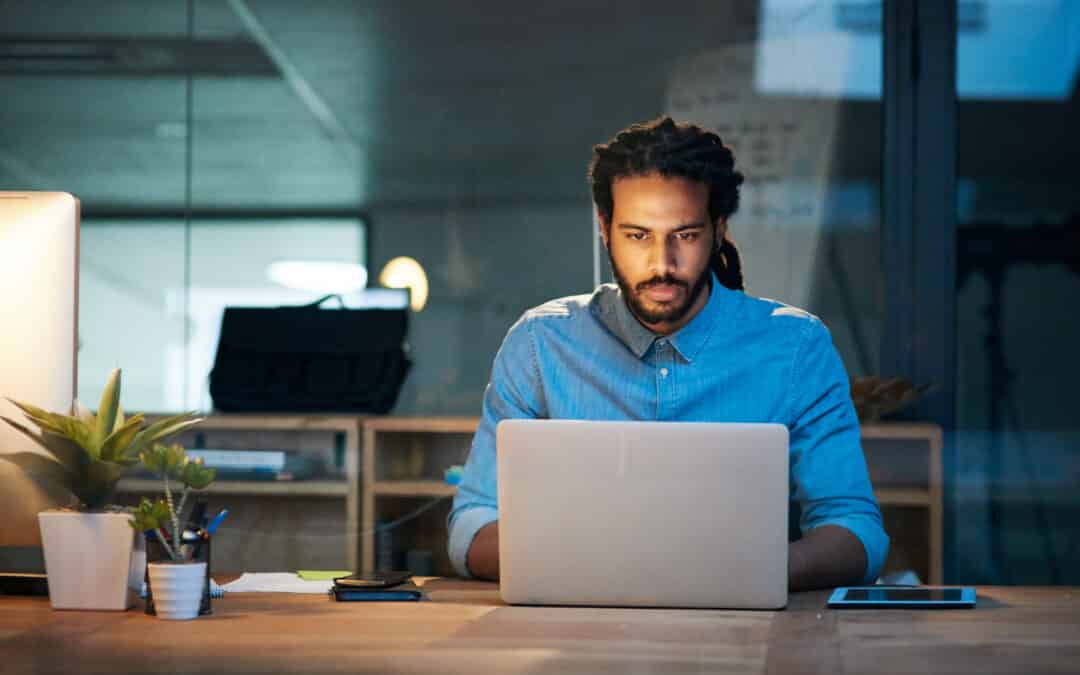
(904, 594)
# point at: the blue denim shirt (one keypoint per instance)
(740, 359)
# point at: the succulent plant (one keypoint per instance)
(170, 461)
(875, 397)
(88, 453)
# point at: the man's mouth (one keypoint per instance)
(663, 292)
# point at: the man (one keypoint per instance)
(677, 339)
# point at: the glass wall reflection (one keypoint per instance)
(1017, 488)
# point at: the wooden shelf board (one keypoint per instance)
(900, 430)
(446, 425)
(413, 488)
(270, 422)
(300, 488)
(903, 496)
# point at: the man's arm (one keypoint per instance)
(514, 391)
(843, 542)
(483, 558)
(826, 557)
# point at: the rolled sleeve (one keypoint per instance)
(463, 529)
(828, 468)
(513, 392)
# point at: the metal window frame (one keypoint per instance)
(919, 211)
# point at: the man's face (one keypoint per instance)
(659, 241)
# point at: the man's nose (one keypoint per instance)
(662, 258)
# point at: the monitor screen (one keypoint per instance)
(39, 241)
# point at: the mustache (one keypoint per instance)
(657, 281)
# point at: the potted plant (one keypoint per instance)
(92, 558)
(178, 581)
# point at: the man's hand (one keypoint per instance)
(483, 557)
(826, 557)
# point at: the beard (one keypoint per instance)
(666, 312)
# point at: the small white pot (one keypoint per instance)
(93, 560)
(177, 589)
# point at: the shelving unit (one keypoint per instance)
(280, 524)
(383, 467)
(904, 462)
(403, 460)
(903, 459)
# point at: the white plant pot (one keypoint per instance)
(92, 560)
(177, 589)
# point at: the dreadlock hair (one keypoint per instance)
(674, 150)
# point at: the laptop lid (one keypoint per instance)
(643, 514)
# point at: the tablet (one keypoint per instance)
(902, 597)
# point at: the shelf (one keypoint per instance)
(413, 488)
(903, 431)
(270, 421)
(903, 497)
(444, 425)
(300, 488)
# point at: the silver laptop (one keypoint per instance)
(643, 514)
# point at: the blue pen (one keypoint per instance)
(212, 527)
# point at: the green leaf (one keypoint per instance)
(160, 430)
(196, 475)
(116, 445)
(65, 451)
(164, 459)
(98, 484)
(106, 414)
(168, 426)
(150, 515)
(43, 418)
(82, 412)
(79, 432)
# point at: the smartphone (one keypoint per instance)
(903, 597)
(373, 580)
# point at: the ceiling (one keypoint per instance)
(340, 105)
(367, 103)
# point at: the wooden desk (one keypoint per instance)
(466, 629)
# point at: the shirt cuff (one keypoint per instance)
(874, 540)
(463, 531)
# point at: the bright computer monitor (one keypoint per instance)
(39, 299)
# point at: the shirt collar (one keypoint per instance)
(609, 305)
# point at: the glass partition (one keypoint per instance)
(1017, 489)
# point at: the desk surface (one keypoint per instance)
(466, 629)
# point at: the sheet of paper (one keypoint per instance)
(321, 575)
(276, 582)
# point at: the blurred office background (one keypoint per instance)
(911, 179)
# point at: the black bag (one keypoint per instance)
(278, 359)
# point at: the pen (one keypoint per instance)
(212, 527)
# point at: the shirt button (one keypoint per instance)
(663, 372)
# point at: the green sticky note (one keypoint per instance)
(322, 575)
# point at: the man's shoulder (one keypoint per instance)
(781, 323)
(777, 313)
(559, 309)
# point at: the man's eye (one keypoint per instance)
(637, 236)
(688, 236)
